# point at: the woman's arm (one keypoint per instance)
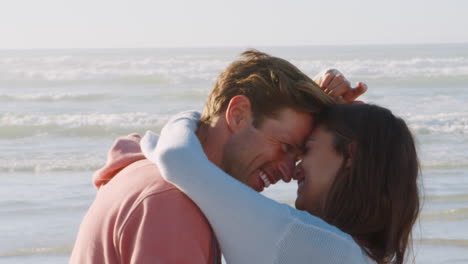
(250, 227)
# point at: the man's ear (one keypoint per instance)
(238, 113)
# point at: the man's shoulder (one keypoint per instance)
(158, 195)
(172, 202)
(166, 210)
(140, 185)
(142, 176)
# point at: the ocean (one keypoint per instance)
(61, 110)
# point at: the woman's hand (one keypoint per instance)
(338, 87)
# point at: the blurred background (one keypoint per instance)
(74, 75)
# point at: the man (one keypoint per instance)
(253, 125)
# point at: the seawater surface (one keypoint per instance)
(60, 111)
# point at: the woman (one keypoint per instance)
(357, 192)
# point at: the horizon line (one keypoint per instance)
(235, 46)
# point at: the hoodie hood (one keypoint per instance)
(150, 141)
(125, 151)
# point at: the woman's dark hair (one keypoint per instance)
(376, 198)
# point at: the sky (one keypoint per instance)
(31, 24)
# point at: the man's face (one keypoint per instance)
(262, 156)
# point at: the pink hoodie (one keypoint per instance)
(137, 217)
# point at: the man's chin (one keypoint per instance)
(254, 185)
(258, 188)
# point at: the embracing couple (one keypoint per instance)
(192, 193)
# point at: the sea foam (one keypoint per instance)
(86, 124)
(56, 97)
(152, 69)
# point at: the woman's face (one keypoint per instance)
(317, 171)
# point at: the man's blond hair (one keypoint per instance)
(270, 83)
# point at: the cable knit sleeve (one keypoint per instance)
(250, 227)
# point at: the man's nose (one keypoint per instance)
(287, 167)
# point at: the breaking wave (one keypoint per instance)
(444, 242)
(126, 67)
(57, 250)
(89, 125)
(54, 97)
(453, 123)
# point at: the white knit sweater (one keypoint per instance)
(250, 227)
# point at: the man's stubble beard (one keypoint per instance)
(231, 161)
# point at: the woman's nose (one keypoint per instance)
(297, 172)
